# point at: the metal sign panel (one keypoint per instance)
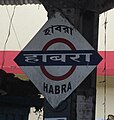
(84, 107)
(57, 59)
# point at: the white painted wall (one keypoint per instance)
(109, 33)
(100, 97)
(27, 20)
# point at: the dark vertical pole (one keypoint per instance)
(87, 89)
(81, 104)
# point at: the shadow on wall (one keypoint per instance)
(110, 117)
(13, 86)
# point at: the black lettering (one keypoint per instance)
(49, 31)
(51, 89)
(45, 87)
(57, 89)
(63, 88)
(69, 87)
(67, 29)
(58, 27)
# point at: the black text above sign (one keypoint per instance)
(59, 28)
(57, 59)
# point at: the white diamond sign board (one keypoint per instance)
(57, 59)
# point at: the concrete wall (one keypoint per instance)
(101, 94)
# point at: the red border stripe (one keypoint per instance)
(11, 66)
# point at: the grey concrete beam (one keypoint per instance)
(92, 5)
